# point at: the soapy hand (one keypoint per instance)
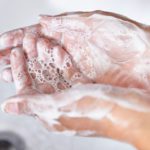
(49, 65)
(102, 48)
(100, 44)
(85, 110)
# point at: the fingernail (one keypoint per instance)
(11, 108)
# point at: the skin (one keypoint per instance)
(112, 79)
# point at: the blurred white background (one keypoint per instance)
(18, 13)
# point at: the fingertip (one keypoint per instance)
(11, 39)
(10, 107)
(6, 75)
(19, 69)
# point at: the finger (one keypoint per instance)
(29, 102)
(130, 98)
(46, 108)
(98, 99)
(23, 105)
(94, 96)
(5, 57)
(14, 38)
(86, 127)
(16, 105)
(50, 51)
(29, 45)
(6, 75)
(19, 70)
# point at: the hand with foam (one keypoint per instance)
(84, 110)
(100, 44)
(51, 68)
(104, 48)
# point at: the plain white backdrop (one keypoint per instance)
(18, 13)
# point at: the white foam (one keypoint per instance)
(108, 39)
(49, 74)
(98, 56)
(66, 132)
(86, 133)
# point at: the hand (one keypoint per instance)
(101, 45)
(85, 110)
(124, 66)
(105, 45)
(49, 65)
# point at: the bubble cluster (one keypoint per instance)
(53, 66)
(47, 73)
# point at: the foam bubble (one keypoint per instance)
(46, 72)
